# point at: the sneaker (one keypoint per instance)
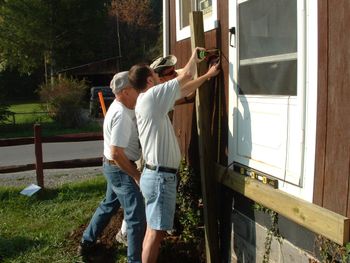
(86, 248)
(121, 238)
(171, 232)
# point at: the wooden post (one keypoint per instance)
(205, 147)
(38, 155)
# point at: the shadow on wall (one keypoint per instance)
(242, 233)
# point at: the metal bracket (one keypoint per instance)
(232, 31)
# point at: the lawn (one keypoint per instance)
(48, 227)
(40, 228)
(29, 113)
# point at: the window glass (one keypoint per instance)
(205, 6)
(183, 9)
(268, 47)
(276, 78)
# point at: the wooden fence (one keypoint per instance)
(39, 165)
(13, 115)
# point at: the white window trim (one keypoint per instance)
(209, 23)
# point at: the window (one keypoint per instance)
(184, 7)
(268, 47)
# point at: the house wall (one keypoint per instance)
(332, 167)
(184, 115)
(332, 153)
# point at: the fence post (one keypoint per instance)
(13, 118)
(38, 155)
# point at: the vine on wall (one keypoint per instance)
(273, 231)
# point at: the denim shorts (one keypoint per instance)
(159, 191)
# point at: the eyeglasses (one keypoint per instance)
(165, 74)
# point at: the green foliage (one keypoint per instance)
(331, 252)
(64, 33)
(64, 101)
(17, 86)
(140, 20)
(4, 111)
(35, 229)
(189, 201)
(273, 231)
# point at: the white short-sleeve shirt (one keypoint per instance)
(119, 129)
(156, 133)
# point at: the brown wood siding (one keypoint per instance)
(332, 164)
(333, 126)
(184, 115)
(321, 100)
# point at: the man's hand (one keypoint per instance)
(124, 163)
(213, 70)
(194, 55)
(137, 180)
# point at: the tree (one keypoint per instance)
(139, 30)
(4, 111)
(62, 33)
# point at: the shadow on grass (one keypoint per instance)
(73, 191)
(11, 247)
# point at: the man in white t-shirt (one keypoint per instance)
(159, 145)
(121, 150)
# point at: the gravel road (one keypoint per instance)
(52, 177)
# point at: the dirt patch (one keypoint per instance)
(173, 249)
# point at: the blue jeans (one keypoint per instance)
(159, 191)
(121, 191)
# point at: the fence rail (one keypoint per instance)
(13, 114)
(39, 165)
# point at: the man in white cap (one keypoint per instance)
(121, 150)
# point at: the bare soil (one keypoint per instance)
(172, 250)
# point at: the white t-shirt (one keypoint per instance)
(157, 136)
(119, 129)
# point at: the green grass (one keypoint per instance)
(24, 123)
(29, 112)
(35, 229)
(26, 107)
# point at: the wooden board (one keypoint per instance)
(313, 217)
(208, 181)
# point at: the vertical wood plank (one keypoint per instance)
(322, 99)
(38, 156)
(336, 185)
(205, 148)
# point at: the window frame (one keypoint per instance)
(210, 23)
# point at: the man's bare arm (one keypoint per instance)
(189, 71)
(189, 87)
